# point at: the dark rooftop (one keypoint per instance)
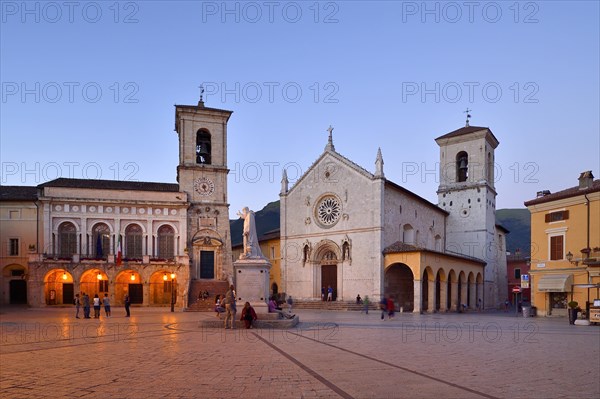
(569, 192)
(111, 185)
(18, 193)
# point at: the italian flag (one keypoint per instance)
(119, 252)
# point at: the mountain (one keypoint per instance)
(267, 220)
(517, 221)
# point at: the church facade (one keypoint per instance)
(357, 232)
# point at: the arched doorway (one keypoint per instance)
(129, 282)
(329, 272)
(162, 288)
(17, 284)
(58, 287)
(93, 282)
(399, 282)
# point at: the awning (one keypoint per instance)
(556, 283)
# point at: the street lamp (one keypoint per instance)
(172, 292)
(570, 259)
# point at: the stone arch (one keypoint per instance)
(462, 166)
(160, 286)
(58, 287)
(479, 296)
(165, 241)
(125, 284)
(471, 291)
(206, 254)
(427, 290)
(91, 284)
(100, 233)
(452, 293)
(66, 237)
(323, 247)
(203, 147)
(441, 302)
(399, 282)
(326, 256)
(462, 289)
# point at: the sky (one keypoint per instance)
(88, 88)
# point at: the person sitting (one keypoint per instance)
(218, 308)
(248, 315)
(358, 299)
(273, 308)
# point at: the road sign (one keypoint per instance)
(516, 290)
(524, 280)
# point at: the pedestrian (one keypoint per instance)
(127, 304)
(248, 315)
(390, 307)
(358, 299)
(323, 293)
(96, 306)
(479, 305)
(218, 306)
(366, 303)
(290, 303)
(77, 303)
(383, 307)
(230, 308)
(329, 293)
(106, 303)
(86, 306)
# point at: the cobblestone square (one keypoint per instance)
(156, 354)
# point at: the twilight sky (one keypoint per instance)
(88, 88)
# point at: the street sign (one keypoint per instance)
(516, 290)
(524, 280)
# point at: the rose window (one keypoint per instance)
(329, 211)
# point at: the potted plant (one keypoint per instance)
(573, 310)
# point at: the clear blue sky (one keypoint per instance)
(88, 88)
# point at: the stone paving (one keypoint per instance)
(159, 354)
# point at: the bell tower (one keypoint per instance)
(467, 192)
(202, 174)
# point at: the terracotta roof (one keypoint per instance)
(569, 192)
(399, 247)
(18, 193)
(111, 185)
(463, 130)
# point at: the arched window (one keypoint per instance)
(462, 166)
(67, 239)
(133, 242)
(166, 242)
(203, 147)
(408, 234)
(100, 241)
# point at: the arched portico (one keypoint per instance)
(399, 282)
(58, 287)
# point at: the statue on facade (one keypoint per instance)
(251, 247)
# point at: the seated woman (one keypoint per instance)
(218, 308)
(273, 308)
(248, 315)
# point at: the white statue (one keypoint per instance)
(251, 247)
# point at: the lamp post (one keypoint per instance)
(172, 292)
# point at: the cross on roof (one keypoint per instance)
(468, 116)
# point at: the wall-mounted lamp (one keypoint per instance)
(64, 275)
(132, 276)
(165, 277)
(570, 258)
(99, 276)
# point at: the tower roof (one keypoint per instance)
(467, 130)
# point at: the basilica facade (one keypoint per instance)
(354, 231)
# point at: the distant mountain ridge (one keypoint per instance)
(516, 221)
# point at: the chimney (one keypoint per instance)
(541, 194)
(586, 179)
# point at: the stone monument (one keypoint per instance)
(251, 270)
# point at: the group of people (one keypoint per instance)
(387, 306)
(84, 301)
(329, 292)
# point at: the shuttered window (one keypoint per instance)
(557, 216)
(556, 248)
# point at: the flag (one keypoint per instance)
(119, 252)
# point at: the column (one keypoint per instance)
(454, 296)
(418, 294)
(443, 296)
(430, 296)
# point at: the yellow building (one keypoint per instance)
(565, 246)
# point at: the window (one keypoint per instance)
(272, 252)
(556, 247)
(518, 274)
(166, 240)
(203, 148)
(13, 247)
(133, 242)
(100, 241)
(67, 240)
(557, 216)
(462, 166)
(103, 286)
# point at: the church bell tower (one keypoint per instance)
(202, 174)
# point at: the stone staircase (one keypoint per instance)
(334, 305)
(214, 288)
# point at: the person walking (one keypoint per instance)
(366, 303)
(323, 293)
(329, 293)
(230, 308)
(383, 307)
(290, 303)
(86, 306)
(96, 306)
(106, 303)
(390, 307)
(248, 315)
(127, 304)
(77, 303)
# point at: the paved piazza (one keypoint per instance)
(158, 354)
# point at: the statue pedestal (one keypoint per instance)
(252, 283)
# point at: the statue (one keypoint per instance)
(251, 247)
